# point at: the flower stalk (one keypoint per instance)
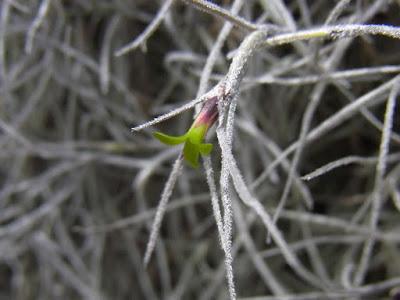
(193, 139)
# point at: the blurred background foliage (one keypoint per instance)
(78, 189)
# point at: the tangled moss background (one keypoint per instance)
(78, 190)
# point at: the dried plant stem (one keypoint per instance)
(254, 204)
(166, 194)
(336, 11)
(214, 9)
(169, 115)
(373, 96)
(342, 162)
(258, 39)
(43, 9)
(77, 189)
(145, 35)
(377, 200)
(333, 32)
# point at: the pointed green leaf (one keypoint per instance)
(191, 153)
(205, 149)
(168, 139)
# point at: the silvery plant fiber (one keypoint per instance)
(199, 149)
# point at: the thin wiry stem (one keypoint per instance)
(342, 162)
(395, 195)
(274, 149)
(333, 32)
(214, 200)
(226, 230)
(105, 55)
(312, 106)
(39, 19)
(319, 221)
(227, 127)
(19, 6)
(145, 35)
(139, 218)
(166, 194)
(253, 203)
(354, 75)
(66, 101)
(258, 40)
(169, 115)
(336, 11)
(216, 10)
(229, 270)
(224, 224)
(216, 50)
(342, 115)
(315, 100)
(64, 110)
(377, 201)
(29, 219)
(236, 74)
(239, 63)
(280, 13)
(46, 252)
(367, 290)
(266, 273)
(4, 15)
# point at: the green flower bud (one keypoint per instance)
(194, 137)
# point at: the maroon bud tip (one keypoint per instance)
(209, 113)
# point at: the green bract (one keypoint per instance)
(193, 140)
